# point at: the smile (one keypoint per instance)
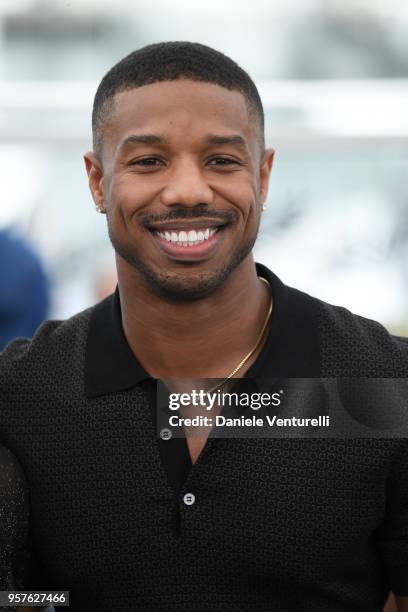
(188, 239)
(191, 245)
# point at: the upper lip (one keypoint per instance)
(186, 225)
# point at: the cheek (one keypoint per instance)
(247, 202)
(119, 205)
(127, 197)
(241, 192)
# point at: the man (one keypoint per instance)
(126, 520)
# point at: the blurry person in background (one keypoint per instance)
(127, 520)
(24, 289)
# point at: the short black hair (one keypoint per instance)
(168, 61)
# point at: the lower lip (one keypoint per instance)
(195, 252)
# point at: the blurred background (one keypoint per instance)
(333, 76)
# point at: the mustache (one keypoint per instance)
(180, 213)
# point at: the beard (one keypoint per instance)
(179, 287)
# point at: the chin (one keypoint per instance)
(183, 285)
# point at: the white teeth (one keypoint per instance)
(190, 238)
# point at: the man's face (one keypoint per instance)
(182, 180)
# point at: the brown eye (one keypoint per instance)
(222, 161)
(146, 161)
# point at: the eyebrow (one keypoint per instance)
(234, 139)
(210, 139)
(143, 139)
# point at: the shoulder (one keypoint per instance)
(55, 347)
(352, 345)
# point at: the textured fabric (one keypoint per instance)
(277, 525)
(13, 524)
(354, 346)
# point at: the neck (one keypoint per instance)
(206, 338)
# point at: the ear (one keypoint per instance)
(95, 178)
(265, 173)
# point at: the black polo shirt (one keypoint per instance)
(275, 524)
(111, 365)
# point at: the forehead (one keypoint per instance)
(181, 107)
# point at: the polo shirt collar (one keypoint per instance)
(291, 349)
(110, 364)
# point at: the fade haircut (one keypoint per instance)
(170, 61)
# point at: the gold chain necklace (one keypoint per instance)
(252, 351)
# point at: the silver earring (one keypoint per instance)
(264, 205)
(100, 209)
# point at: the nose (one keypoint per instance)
(186, 185)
